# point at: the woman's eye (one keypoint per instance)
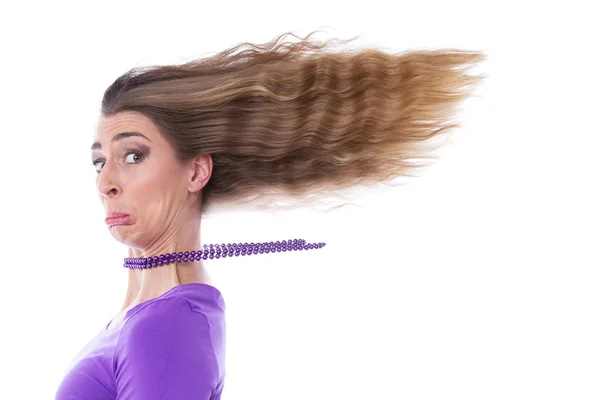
(98, 165)
(134, 157)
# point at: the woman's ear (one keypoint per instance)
(200, 172)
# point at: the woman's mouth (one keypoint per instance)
(116, 218)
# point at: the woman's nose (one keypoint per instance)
(107, 185)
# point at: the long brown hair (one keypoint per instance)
(297, 118)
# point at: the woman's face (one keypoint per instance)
(138, 175)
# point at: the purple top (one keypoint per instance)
(171, 347)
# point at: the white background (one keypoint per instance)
(477, 280)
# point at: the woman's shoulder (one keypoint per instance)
(184, 329)
(201, 296)
(182, 305)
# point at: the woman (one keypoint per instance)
(293, 118)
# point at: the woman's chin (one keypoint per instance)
(122, 233)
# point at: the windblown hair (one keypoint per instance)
(297, 118)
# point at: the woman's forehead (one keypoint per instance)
(127, 121)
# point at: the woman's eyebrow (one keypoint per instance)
(120, 136)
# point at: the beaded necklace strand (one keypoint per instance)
(220, 250)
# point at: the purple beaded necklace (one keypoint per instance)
(220, 250)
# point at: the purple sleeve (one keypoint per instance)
(166, 353)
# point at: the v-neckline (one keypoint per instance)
(123, 315)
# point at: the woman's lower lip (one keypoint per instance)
(118, 221)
